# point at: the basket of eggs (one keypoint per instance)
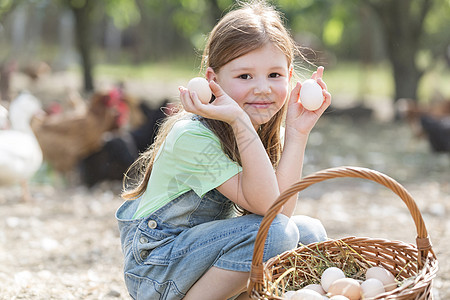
(350, 268)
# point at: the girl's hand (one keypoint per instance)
(300, 121)
(223, 108)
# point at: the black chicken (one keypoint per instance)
(119, 152)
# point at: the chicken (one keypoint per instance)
(20, 154)
(119, 152)
(438, 132)
(6, 70)
(67, 137)
(358, 112)
(36, 70)
(431, 121)
(4, 122)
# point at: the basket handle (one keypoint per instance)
(423, 242)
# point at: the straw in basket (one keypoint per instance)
(414, 266)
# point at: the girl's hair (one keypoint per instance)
(239, 32)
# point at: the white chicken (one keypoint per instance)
(4, 122)
(20, 153)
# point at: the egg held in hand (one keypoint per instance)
(311, 95)
(201, 87)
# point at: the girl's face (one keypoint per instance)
(258, 81)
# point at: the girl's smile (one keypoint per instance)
(260, 104)
(258, 81)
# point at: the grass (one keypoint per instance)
(351, 78)
(346, 79)
(161, 71)
(356, 80)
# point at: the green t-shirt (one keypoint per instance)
(191, 158)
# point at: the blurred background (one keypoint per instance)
(85, 83)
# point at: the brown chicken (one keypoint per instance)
(66, 138)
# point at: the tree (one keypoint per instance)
(123, 12)
(402, 22)
(83, 34)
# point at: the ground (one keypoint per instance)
(65, 243)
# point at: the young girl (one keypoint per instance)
(182, 236)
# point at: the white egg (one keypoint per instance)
(288, 295)
(201, 87)
(315, 287)
(306, 294)
(372, 287)
(311, 95)
(339, 297)
(347, 287)
(382, 275)
(329, 276)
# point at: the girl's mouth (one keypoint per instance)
(260, 105)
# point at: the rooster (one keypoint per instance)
(67, 137)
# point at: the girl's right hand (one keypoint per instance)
(223, 108)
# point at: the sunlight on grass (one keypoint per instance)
(164, 71)
(357, 81)
(350, 80)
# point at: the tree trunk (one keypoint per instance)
(402, 24)
(83, 33)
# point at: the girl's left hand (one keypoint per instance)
(299, 120)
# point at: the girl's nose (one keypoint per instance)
(262, 87)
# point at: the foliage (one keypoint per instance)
(124, 12)
(155, 30)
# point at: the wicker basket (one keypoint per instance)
(414, 266)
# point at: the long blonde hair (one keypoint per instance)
(239, 32)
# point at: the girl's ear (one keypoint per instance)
(291, 72)
(210, 74)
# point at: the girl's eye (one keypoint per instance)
(274, 75)
(244, 76)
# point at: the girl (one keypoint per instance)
(182, 236)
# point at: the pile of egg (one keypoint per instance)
(334, 285)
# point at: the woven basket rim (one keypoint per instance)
(410, 286)
(427, 264)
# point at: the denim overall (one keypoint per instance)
(169, 250)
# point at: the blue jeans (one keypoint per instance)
(169, 250)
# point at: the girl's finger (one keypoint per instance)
(295, 93)
(322, 84)
(186, 100)
(319, 73)
(325, 104)
(216, 89)
(327, 96)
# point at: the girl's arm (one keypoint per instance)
(299, 123)
(256, 187)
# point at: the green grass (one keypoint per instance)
(345, 79)
(355, 80)
(164, 71)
